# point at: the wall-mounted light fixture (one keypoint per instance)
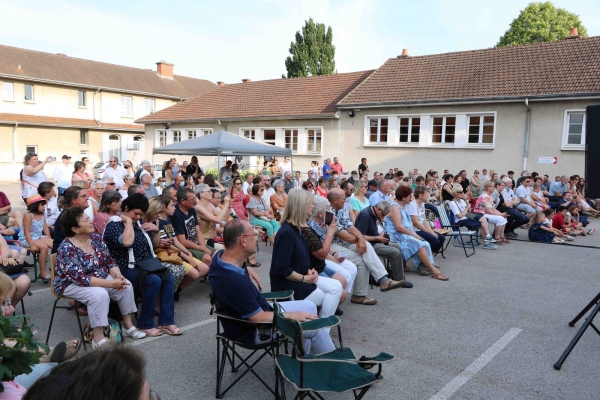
(167, 126)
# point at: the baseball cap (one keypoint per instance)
(372, 182)
(66, 157)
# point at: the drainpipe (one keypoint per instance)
(527, 129)
(94, 106)
(14, 143)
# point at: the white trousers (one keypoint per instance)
(368, 263)
(315, 342)
(496, 219)
(327, 295)
(346, 269)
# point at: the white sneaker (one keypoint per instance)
(569, 238)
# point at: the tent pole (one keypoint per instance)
(218, 166)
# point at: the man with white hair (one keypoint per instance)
(109, 183)
(384, 189)
(146, 170)
(149, 189)
(356, 249)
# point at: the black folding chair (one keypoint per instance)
(228, 348)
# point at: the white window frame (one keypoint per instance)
(270, 141)
(207, 131)
(410, 126)
(31, 146)
(192, 133)
(443, 139)
(251, 134)
(310, 146)
(85, 134)
(304, 146)
(32, 100)
(481, 125)
(82, 95)
(157, 137)
(197, 132)
(379, 141)
(565, 132)
(292, 130)
(176, 135)
(147, 104)
(6, 85)
(127, 112)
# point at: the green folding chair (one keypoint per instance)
(228, 349)
(337, 371)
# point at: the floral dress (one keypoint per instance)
(36, 231)
(237, 204)
(409, 246)
(537, 234)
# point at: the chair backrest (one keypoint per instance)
(443, 216)
(290, 328)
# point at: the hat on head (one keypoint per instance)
(145, 163)
(354, 173)
(373, 182)
(34, 198)
(66, 157)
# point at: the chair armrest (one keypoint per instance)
(237, 319)
(380, 358)
(320, 323)
(278, 296)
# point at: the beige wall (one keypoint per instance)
(344, 138)
(56, 142)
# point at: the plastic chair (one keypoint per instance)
(337, 371)
(59, 297)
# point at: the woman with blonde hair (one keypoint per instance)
(359, 201)
(291, 266)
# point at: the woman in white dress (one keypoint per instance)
(33, 174)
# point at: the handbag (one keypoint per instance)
(151, 265)
(12, 269)
(164, 256)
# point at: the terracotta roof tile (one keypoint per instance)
(37, 120)
(87, 73)
(314, 96)
(542, 69)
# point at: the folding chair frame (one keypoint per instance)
(455, 233)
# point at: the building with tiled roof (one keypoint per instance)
(517, 107)
(54, 104)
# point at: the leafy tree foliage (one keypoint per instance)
(312, 53)
(541, 22)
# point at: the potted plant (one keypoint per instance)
(18, 351)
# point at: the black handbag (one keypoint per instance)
(12, 269)
(151, 265)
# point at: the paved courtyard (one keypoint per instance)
(492, 332)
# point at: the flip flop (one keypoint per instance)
(166, 330)
(45, 279)
(71, 349)
(149, 334)
(58, 352)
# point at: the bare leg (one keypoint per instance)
(190, 278)
(422, 253)
(42, 244)
(484, 225)
(22, 285)
(18, 216)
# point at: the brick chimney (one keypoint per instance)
(246, 80)
(164, 69)
(220, 83)
(574, 34)
(404, 54)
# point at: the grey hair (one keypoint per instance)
(321, 205)
(148, 175)
(381, 183)
(288, 173)
(106, 178)
(384, 206)
(200, 188)
(277, 183)
(498, 182)
(127, 177)
(96, 183)
(506, 180)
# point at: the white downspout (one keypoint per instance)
(14, 143)
(527, 131)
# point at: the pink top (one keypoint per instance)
(321, 192)
(12, 391)
(101, 220)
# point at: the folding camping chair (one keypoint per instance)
(443, 215)
(337, 371)
(229, 352)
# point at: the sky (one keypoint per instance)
(232, 40)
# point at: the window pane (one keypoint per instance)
(575, 128)
(473, 120)
(318, 140)
(576, 118)
(125, 105)
(574, 139)
(28, 92)
(82, 100)
(176, 136)
(269, 136)
(473, 129)
(8, 89)
(474, 138)
(437, 130)
(436, 138)
(488, 129)
(438, 121)
(450, 120)
(404, 121)
(449, 134)
(191, 134)
(404, 137)
(415, 130)
(488, 119)
(416, 122)
(374, 122)
(487, 139)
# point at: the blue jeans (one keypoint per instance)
(515, 220)
(155, 287)
(436, 241)
(60, 192)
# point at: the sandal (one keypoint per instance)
(135, 333)
(45, 279)
(254, 264)
(73, 347)
(156, 332)
(440, 277)
(168, 331)
(57, 354)
(364, 300)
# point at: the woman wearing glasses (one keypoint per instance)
(73, 196)
(237, 199)
(309, 185)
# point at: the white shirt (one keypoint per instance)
(267, 196)
(62, 175)
(458, 207)
(117, 175)
(225, 174)
(52, 211)
(30, 183)
(508, 194)
(414, 209)
(285, 167)
(523, 191)
(245, 186)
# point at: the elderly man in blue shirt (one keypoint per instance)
(384, 190)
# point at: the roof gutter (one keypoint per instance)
(481, 100)
(283, 117)
(81, 85)
(137, 130)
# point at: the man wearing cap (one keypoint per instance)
(353, 177)
(146, 169)
(62, 175)
(371, 188)
(116, 172)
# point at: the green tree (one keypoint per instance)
(541, 22)
(312, 53)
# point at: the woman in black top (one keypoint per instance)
(447, 187)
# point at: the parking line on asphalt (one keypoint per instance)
(183, 329)
(40, 290)
(448, 390)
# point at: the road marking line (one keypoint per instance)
(448, 390)
(40, 290)
(185, 328)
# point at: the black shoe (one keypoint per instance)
(176, 294)
(27, 265)
(338, 311)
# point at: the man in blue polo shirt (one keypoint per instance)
(326, 169)
(232, 285)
